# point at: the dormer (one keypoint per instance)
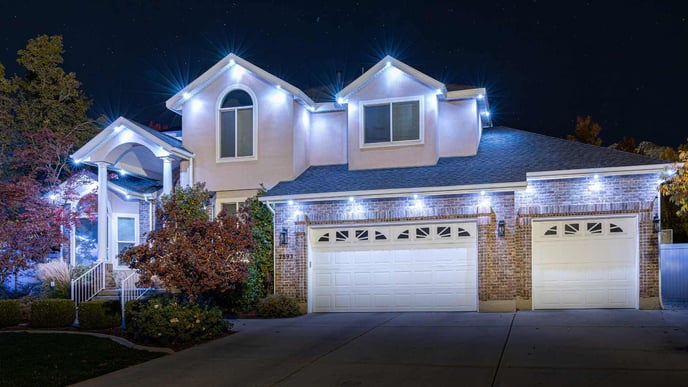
(399, 117)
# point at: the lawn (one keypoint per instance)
(53, 359)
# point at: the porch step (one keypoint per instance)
(109, 293)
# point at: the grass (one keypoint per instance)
(47, 359)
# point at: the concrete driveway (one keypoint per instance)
(548, 348)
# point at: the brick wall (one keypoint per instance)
(504, 264)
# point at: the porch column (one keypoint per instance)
(102, 211)
(166, 175)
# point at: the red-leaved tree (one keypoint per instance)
(191, 253)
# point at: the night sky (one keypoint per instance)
(543, 63)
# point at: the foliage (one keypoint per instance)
(166, 321)
(43, 120)
(100, 314)
(277, 306)
(52, 313)
(10, 313)
(676, 188)
(191, 253)
(260, 276)
(55, 279)
(587, 131)
(58, 359)
(627, 144)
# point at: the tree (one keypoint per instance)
(191, 253)
(259, 282)
(676, 188)
(42, 120)
(45, 114)
(587, 131)
(627, 144)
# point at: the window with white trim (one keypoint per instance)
(236, 126)
(126, 232)
(391, 122)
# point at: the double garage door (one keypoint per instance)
(577, 263)
(409, 267)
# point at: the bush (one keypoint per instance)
(100, 314)
(277, 306)
(166, 321)
(10, 314)
(52, 313)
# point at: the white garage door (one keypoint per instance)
(411, 267)
(585, 263)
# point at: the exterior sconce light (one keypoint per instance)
(656, 224)
(501, 229)
(283, 237)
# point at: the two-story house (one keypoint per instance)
(399, 195)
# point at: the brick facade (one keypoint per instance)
(504, 264)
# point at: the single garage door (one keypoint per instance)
(401, 267)
(585, 263)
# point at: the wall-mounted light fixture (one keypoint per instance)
(656, 224)
(501, 229)
(284, 237)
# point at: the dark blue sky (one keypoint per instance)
(543, 63)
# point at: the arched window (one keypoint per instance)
(236, 125)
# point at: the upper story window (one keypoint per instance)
(391, 122)
(236, 129)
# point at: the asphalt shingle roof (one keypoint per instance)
(505, 155)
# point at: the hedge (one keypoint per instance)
(100, 314)
(52, 313)
(10, 313)
(277, 306)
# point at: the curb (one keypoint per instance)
(116, 339)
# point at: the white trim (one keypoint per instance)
(610, 171)
(115, 128)
(389, 102)
(218, 124)
(399, 192)
(466, 94)
(382, 65)
(176, 102)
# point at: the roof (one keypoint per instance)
(383, 65)
(505, 157)
(166, 144)
(176, 102)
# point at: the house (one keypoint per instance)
(395, 195)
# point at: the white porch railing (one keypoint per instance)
(87, 286)
(129, 291)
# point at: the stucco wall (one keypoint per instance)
(458, 128)
(327, 141)
(393, 83)
(275, 134)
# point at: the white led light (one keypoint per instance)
(389, 63)
(122, 172)
(351, 199)
(482, 193)
(341, 101)
(232, 62)
(480, 96)
(415, 196)
(291, 202)
(279, 87)
(438, 91)
(53, 197)
(187, 95)
(487, 114)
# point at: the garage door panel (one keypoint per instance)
(406, 276)
(585, 270)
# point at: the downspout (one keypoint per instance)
(274, 249)
(659, 248)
